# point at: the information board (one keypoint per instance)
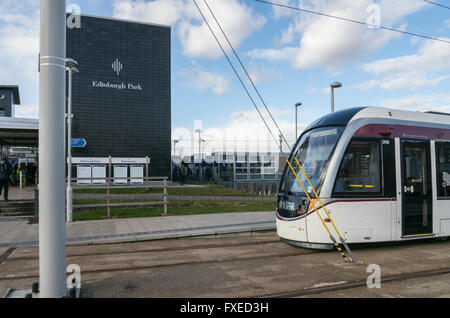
(137, 174)
(120, 174)
(99, 171)
(84, 171)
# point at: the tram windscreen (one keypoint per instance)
(313, 151)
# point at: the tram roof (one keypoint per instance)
(343, 117)
(429, 118)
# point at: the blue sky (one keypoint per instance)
(291, 56)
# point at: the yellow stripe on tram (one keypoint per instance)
(309, 198)
(367, 186)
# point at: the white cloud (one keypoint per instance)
(273, 55)
(433, 55)
(447, 23)
(245, 131)
(428, 67)
(236, 18)
(159, 11)
(263, 74)
(202, 80)
(19, 47)
(331, 43)
(280, 12)
(418, 102)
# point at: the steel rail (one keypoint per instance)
(357, 284)
(145, 251)
(155, 266)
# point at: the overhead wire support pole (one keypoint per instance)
(248, 76)
(354, 21)
(52, 81)
(234, 69)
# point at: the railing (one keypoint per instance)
(147, 182)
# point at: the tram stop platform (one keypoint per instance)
(20, 231)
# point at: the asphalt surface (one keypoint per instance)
(230, 267)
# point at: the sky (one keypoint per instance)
(291, 56)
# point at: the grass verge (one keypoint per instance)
(208, 190)
(178, 208)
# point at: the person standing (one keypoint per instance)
(181, 172)
(5, 177)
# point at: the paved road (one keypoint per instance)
(235, 267)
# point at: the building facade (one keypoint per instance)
(122, 95)
(9, 96)
(250, 171)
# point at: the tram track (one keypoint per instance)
(356, 284)
(301, 252)
(176, 264)
(159, 261)
(144, 251)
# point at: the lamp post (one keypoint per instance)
(200, 151)
(296, 106)
(71, 67)
(52, 231)
(175, 141)
(281, 143)
(333, 86)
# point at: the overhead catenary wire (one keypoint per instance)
(246, 73)
(235, 71)
(437, 4)
(353, 21)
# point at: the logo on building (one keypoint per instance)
(117, 67)
(2, 97)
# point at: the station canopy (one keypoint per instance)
(19, 132)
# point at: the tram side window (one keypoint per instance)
(443, 168)
(360, 169)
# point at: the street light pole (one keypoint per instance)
(296, 106)
(52, 236)
(175, 141)
(70, 68)
(333, 86)
(281, 143)
(174, 146)
(200, 152)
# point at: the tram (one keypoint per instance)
(381, 174)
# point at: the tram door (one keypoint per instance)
(416, 187)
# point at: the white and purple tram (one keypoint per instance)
(382, 174)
